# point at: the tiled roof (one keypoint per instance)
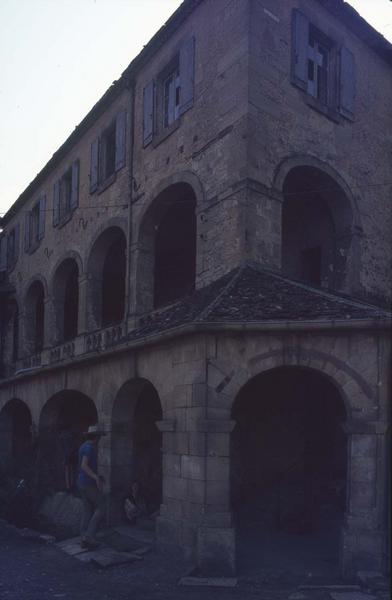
(250, 294)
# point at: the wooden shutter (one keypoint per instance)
(41, 217)
(94, 162)
(300, 43)
(187, 74)
(121, 120)
(3, 253)
(75, 185)
(56, 203)
(27, 225)
(148, 113)
(347, 83)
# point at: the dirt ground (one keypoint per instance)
(34, 571)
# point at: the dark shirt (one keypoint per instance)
(87, 449)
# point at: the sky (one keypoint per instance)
(57, 58)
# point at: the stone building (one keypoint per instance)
(204, 268)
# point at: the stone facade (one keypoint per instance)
(139, 294)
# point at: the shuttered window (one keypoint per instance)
(12, 250)
(108, 152)
(66, 194)
(34, 226)
(171, 94)
(319, 68)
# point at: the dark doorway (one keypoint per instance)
(66, 296)
(136, 445)
(64, 419)
(147, 447)
(113, 283)
(288, 470)
(175, 253)
(35, 316)
(316, 228)
(107, 277)
(15, 438)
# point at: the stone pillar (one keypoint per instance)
(263, 235)
(364, 533)
(49, 323)
(216, 534)
(82, 308)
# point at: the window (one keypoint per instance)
(325, 72)
(66, 195)
(108, 153)
(35, 225)
(170, 95)
(9, 249)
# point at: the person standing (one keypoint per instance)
(90, 486)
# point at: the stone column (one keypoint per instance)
(216, 535)
(82, 308)
(364, 532)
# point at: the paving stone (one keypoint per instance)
(351, 596)
(106, 557)
(209, 581)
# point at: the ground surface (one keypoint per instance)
(34, 571)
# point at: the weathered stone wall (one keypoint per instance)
(76, 236)
(197, 379)
(210, 140)
(282, 127)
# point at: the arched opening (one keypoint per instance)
(167, 262)
(107, 271)
(66, 300)
(136, 443)
(34, 317)
(15, 438)
(11, 334)
(64, 419)
(317, 224)
(288, 471)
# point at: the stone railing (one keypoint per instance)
(86, 343)
(105, 338)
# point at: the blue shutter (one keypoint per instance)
(41, 218)
(347, 83)
(3, 253)
(56, 203)
(94, 157)
(187, 74)
(148, 113)
(27, 224)
(121, 120)
(75, 185)
(300, 43)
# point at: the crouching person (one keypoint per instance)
(90, 486)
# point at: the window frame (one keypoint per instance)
(340, 69)
(66, 195)
(115, 132)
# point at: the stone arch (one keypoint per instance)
(16, 437)
(65, 298)
(135, 443)
(72, 254)
(34, 314)
(227, 381)
(320, 222)
(167, 245)
(62, 421)
(11, 334)
(289, 462)
(106, 270)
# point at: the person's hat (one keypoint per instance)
(94, 430)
